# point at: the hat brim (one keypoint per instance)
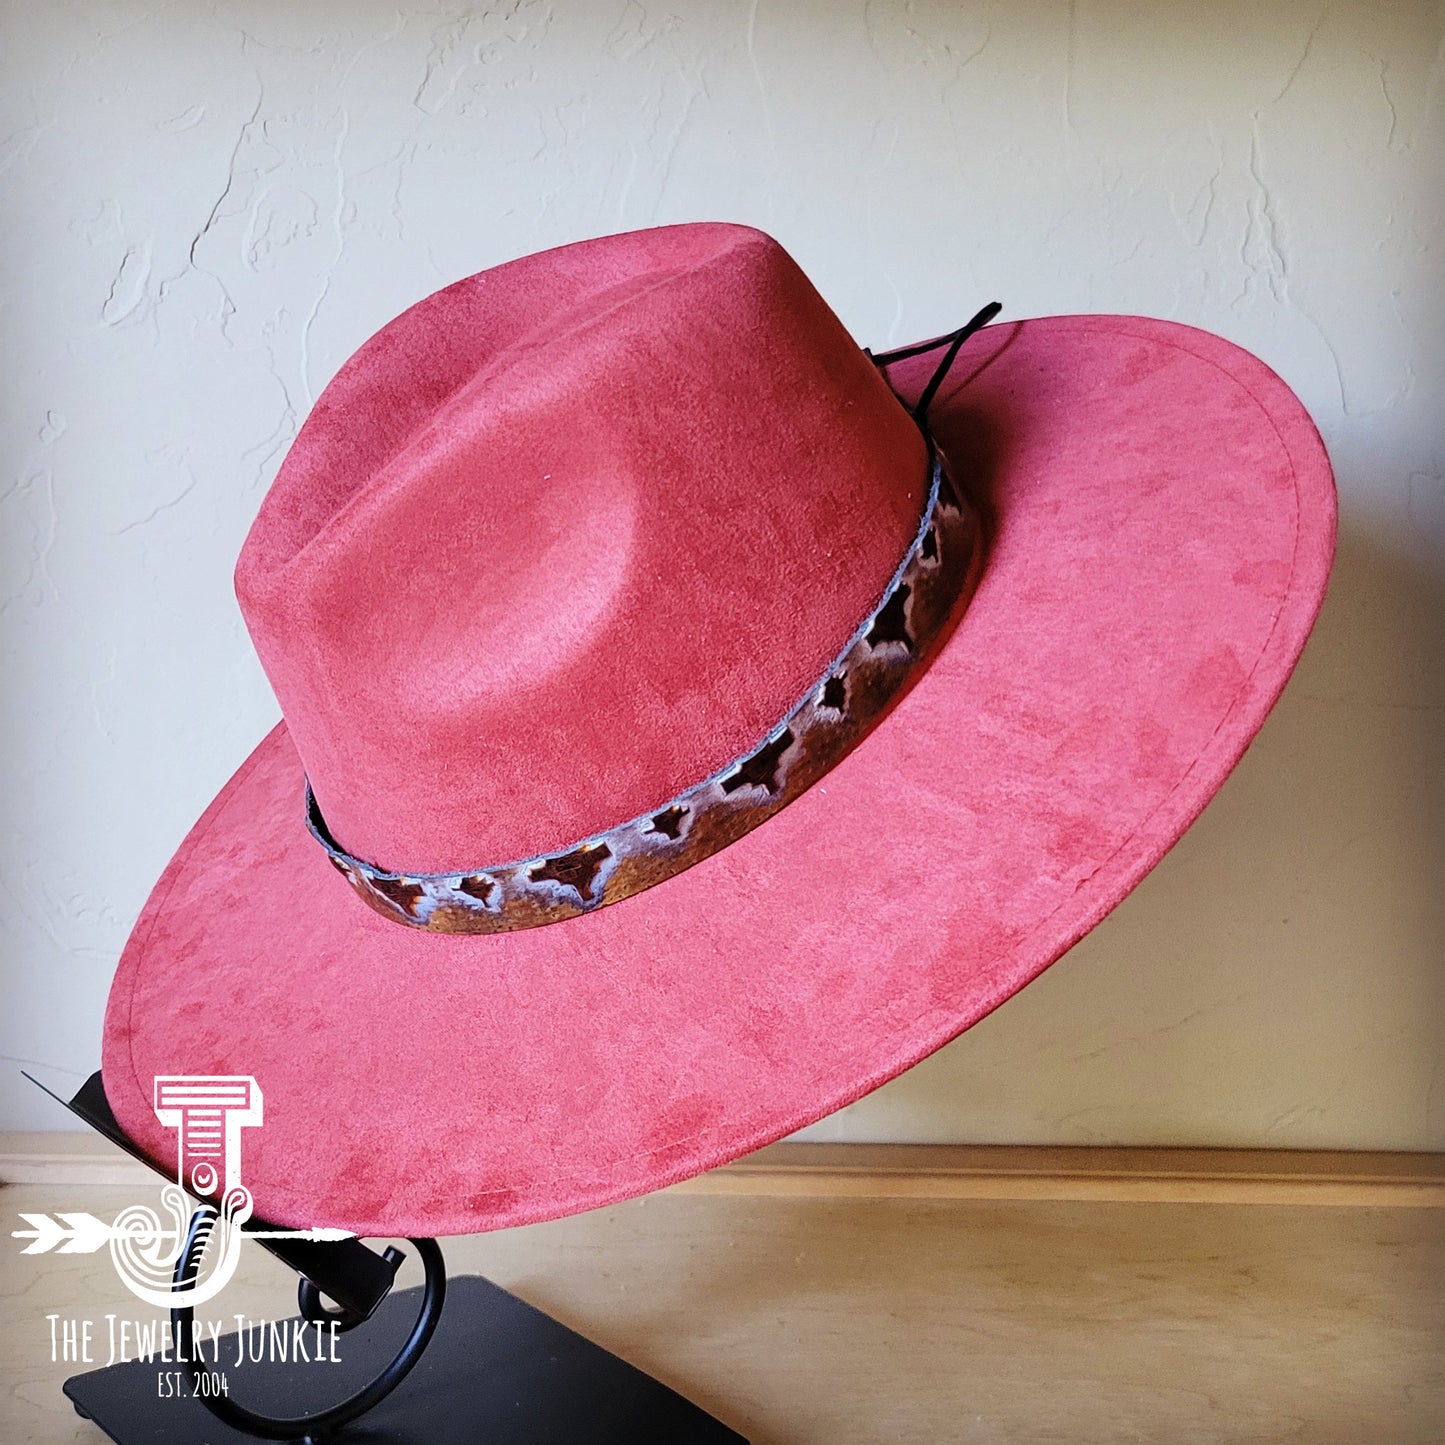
(1162, 516)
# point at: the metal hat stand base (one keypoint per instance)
(455, 1361)
(496, 1371)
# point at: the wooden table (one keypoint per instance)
(820, 1319)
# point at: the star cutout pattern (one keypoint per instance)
(478, 886)
(760, 770)
(577, 869)
(835, 693)
(947, 496)
(891, 625)
(405, 895)
(669, 822)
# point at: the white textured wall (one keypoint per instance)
(207, 206)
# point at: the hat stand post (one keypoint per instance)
(475, 1363)
(318, 1428)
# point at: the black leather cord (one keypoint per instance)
(953, 341)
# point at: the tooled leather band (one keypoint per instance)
(889, 647)
(834, 716)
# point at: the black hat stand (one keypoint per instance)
(476, 1364)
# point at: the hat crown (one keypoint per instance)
(570, 535)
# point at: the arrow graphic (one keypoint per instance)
(85, 1234)
(317, 1235)
(74, 1233)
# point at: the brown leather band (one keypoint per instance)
(837, 712)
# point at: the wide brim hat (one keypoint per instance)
(1151, 528)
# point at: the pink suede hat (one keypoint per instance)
(703, 719)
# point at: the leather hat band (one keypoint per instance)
(829, 721)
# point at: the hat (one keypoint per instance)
(691, 721)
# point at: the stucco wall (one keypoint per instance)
(205, 207)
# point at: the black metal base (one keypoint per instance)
(496, 1370)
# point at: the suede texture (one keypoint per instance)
(516, 587)
(1162, 517)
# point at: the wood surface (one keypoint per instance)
(806, 1320)
(936, 1171)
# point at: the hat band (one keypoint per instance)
(830, 720)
